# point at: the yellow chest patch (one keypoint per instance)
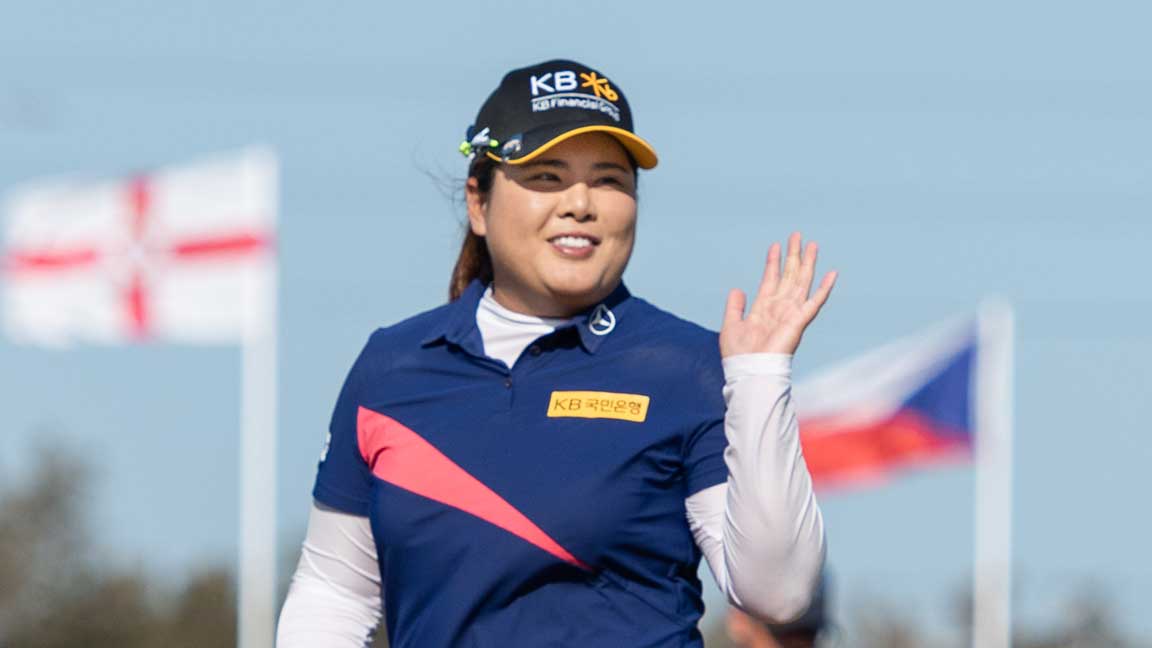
(594, 404)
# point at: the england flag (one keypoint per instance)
(178, 255)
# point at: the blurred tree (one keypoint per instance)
(103, 613)
(204, 614)
(52, 593)
(41, 541)
(1089, 624)
(878, 627)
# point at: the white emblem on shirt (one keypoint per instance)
(601, 321)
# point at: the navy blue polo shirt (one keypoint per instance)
(541, 505)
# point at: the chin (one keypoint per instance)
(579, 291)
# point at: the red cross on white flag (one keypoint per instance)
(173, 255)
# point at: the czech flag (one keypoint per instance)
(908, 403)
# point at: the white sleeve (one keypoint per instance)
(761, 533)
(335, 598)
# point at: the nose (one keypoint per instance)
(577, 203)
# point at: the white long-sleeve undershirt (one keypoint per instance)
(335, 599)
(761, 532)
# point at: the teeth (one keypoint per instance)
(572, 241)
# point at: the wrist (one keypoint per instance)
(742, 365)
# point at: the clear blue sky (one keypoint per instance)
(937, 153)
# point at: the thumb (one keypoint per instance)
(734, 309)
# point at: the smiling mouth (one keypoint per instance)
(574, 245)
(573, 241)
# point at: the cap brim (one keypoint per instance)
(641, 150)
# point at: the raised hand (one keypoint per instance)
(782, 308)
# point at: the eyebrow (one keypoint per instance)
(611, 165)
(546, 162)
(561, 164)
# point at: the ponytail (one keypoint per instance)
(474, 261)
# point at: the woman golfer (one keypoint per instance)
(543, 460)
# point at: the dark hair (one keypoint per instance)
(474, 261)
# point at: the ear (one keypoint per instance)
(477, 207)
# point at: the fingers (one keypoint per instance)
(807, 271)
(796, 279)
(814, 304)
(734, 309)
(792, 261)
(771, 278)
(793, 284)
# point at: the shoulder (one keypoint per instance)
(678, 340)
(413, 330)
(405, 336)
(664, 327)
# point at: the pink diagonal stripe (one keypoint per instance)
(401, 457)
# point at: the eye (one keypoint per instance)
(544, 176)
(616, 181)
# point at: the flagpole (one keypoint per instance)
(992, 569)
(256, 599)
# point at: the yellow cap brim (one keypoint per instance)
(640, 149)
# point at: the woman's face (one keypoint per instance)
(559, 228)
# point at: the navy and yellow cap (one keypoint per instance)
(534, 108)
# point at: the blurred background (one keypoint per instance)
(938, 152)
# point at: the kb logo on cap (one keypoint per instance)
(561, 82)
(565, 81)
(558, 89)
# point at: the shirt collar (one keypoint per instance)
(458, 326)
(599, 321)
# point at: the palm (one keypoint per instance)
(782, 308)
